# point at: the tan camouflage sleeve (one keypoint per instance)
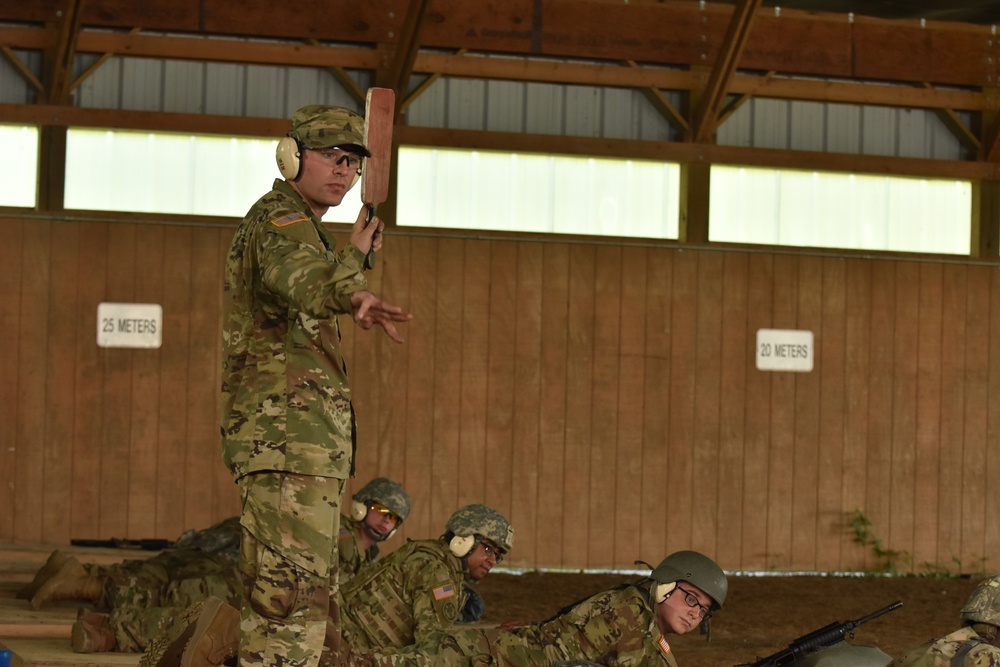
(437, 599)
(316, 281)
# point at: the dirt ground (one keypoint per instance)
(763, 614)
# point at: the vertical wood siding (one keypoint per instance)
(604, 397)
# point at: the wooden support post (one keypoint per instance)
(985, 240)
(51, 168)
(694, 208)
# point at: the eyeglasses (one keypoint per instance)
(385, 511)
(492, 551)
(692, 601)
(335, 157)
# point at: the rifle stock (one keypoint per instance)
(825, 636)
(120, 543)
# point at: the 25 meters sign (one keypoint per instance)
(784, 350)
(129, 325)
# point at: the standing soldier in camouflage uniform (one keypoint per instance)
(288, 428)
(379, 508)
(976, 644)
(414, 594)
(627, 625)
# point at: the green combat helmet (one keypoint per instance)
(386, 493)
(983, 605)
(696, 569)
(473, 520)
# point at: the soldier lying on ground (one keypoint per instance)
(413, 595)
(145, 597)
(627, 625)
(140, 596)
(976, 644)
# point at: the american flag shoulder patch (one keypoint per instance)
(289, 219)
(444, 592)
(664, 646)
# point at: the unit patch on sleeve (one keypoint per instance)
(289, 219)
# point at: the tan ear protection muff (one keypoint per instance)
(359, 511)
(462, 546)
(663, 591)
(288, 158)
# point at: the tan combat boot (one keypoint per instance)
(71, 582)
(91, 633)
(55, 561)
(206, 635)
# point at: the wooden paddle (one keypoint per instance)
(380, 109)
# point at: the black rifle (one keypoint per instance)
(119, 543)
(825, 636)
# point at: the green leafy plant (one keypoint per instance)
(888, 561)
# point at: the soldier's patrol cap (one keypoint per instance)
(323, 126)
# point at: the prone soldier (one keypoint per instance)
(975, 644)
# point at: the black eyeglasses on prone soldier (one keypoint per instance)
(692, 601)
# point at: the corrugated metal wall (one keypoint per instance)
(536, 108)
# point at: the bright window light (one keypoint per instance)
(19, 172)
(799, 208)
(174, 173)
(523, 192)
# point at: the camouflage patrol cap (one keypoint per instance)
(387, 493)
(482, 520)
(697, 569)
(983, 606)
(322, 126)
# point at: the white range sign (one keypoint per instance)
(784, 350)
(130, 325)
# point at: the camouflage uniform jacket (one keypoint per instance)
(408, 597)
(616, 627)
(286, 403)
(942, 652)
(351, 555)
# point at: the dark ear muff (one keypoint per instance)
(462, 546)
(288, 158)
(359, 511)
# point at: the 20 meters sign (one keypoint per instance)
(129, 325)
(784, 350)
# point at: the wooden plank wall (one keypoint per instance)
(603, 396)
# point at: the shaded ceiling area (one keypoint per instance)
(984, 12)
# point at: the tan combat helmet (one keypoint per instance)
(983, 606)
(472, 520)
(694, 568)
(385, 492)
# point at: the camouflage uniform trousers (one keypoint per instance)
(288, 562)
(962, 648)
(146, 597)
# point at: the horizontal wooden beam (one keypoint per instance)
(708, 153)
(671, 33)
(495, 67)
(512, 141)
(153, 121)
